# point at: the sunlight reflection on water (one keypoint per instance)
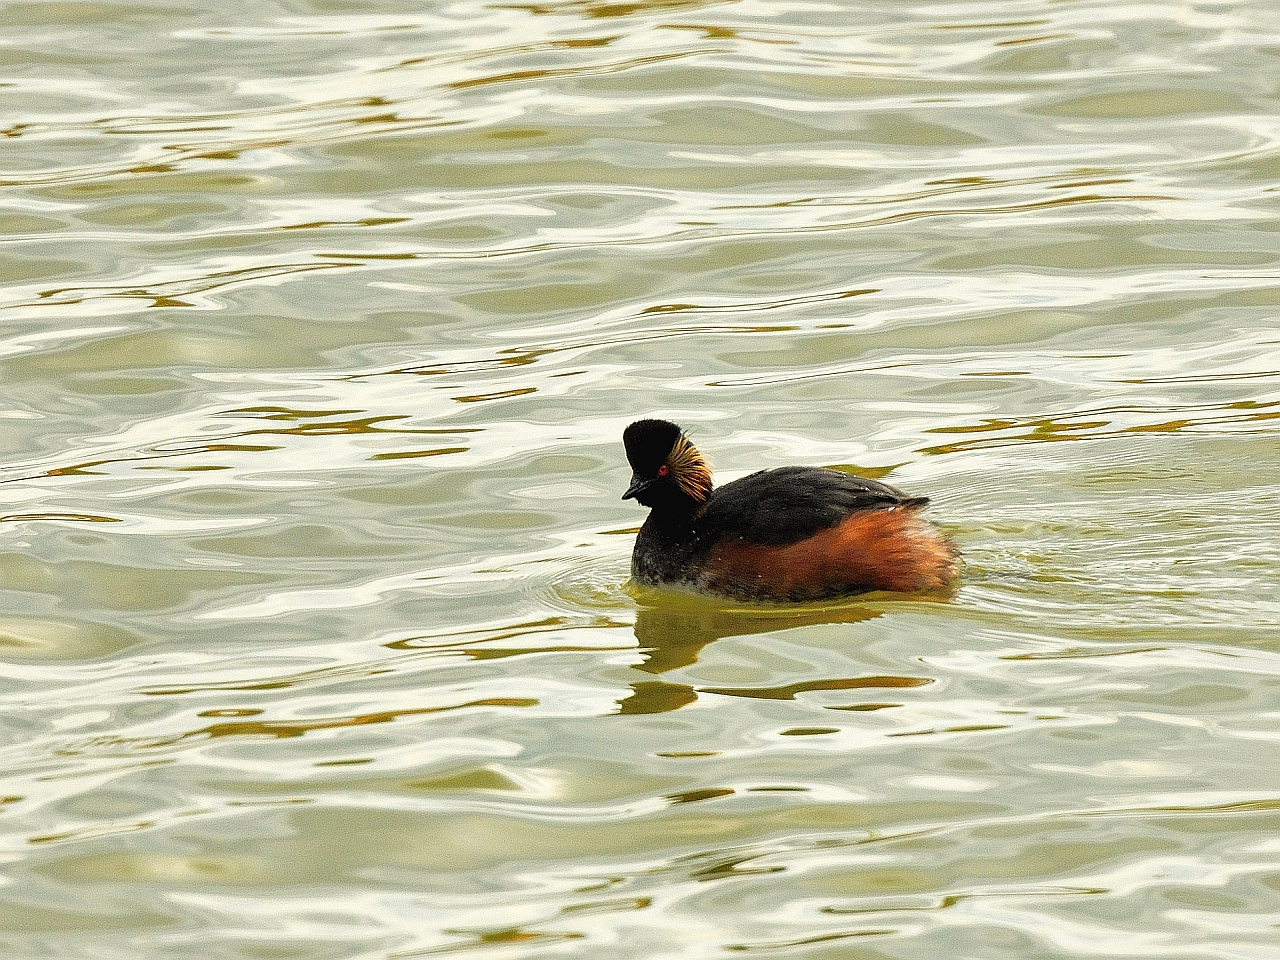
(320, 332)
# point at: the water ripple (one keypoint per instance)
(320, 330)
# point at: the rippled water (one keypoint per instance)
(319, 326)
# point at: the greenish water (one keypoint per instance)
(319, 325)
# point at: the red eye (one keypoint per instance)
(663, 470)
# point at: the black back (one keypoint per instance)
(788, 504)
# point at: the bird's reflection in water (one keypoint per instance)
(673, 627)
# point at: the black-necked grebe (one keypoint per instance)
(790, 534)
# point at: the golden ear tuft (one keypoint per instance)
(689, 469)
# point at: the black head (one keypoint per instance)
(666, 468)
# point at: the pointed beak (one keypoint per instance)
(638, 483)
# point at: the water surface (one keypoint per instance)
(321, 323)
